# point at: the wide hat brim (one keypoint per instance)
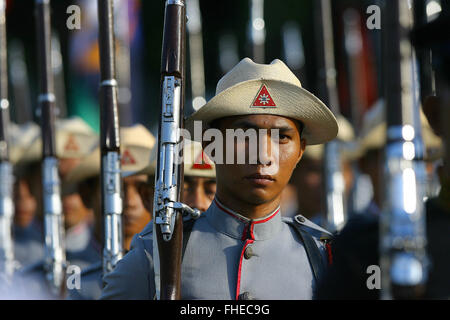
(292, 101)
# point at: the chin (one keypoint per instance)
(258, 196)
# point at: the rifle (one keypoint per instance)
(55, 257)
(334, 185)
(169, 173)
(402, 225)
(7, 264)
(112, 206)
(22, 112)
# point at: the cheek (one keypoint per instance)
(288, 155)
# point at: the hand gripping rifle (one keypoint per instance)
(333, 178)
(169, 173)
(55, 257)
(109, 140)
(7, 264)
(402, 225)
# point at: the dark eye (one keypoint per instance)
(283, 138)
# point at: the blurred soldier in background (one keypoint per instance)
(74, 141)
(357, 247)
(199, 177)
(27, 229)
(138, 189)
(307, 177)
(136, 149)
(370, 150)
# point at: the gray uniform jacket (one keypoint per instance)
(28, 244)
(227, 257)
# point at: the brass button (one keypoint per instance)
(248, 253)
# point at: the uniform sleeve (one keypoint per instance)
(133, 276)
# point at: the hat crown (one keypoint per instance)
(247, 70)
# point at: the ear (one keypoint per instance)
(301, 150)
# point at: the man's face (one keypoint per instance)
(135, 214)
(263, 181)
(199, 192)
(74, 210)
(66, 165)
(25, 204)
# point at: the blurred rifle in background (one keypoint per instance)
(402, 227)
(111, 183)
(55, 256)
(7, 263)
(334, 186)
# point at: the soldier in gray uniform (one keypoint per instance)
(199, 190)
(241, 247)
(27, 229)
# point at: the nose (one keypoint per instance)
(131, 196)
(265, 149)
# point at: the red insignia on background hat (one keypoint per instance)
(71, 144)
(202, 162)
(127, 158)
(263, 98)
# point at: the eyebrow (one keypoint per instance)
(249, 125)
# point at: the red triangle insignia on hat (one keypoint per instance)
(127, 158)
(202, 162)
(263, 98)
(71, 144)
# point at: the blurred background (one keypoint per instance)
(221, 33)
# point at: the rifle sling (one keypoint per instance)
(312, 250)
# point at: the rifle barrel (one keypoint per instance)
(112, 205)
(334, 186)
(55, 259)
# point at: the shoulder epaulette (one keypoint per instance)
(325, 235)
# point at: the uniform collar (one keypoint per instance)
(237, 226)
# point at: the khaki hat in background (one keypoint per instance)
(74, 138)
(25, 145)
(196, 162)
(252, 88)
(373, 132)
(136, 144)
(346, 135)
